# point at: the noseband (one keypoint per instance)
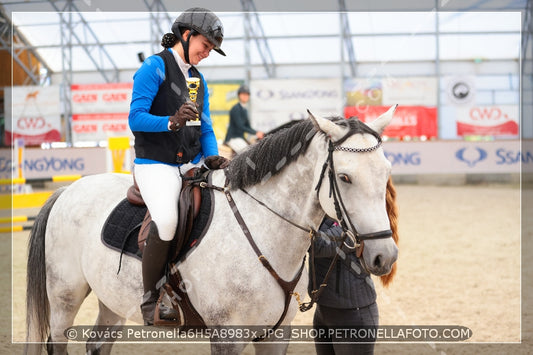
(348, 229)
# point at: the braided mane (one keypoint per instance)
(279, 148)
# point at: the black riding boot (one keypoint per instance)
(154, 260)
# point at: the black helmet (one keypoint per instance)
(202, 21)
(243, 90)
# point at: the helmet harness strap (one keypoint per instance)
(185, 45)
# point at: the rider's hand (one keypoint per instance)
(214, 162)
(187, 112)
(259, 134)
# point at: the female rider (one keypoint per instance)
(165, 146)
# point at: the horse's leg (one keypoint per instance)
(272, 345)
(107, 319)
(65, 298)
(266, 348)
(226, 348)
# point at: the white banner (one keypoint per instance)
(419, 91)
(277, 101)
(100, 111)
(451, 157)
(496, 120)
(457, 157)
(35, 113)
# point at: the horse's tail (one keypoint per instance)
(37, 306)
(392, 211)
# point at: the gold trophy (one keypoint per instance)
(193, 84)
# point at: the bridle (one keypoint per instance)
(348, 229)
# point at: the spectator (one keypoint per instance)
(348, 300)
(239, 123)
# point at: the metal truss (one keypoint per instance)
(158, 15)
(72, 23)
(347, 38)
(254, 30)
(75, 27)
(12, 41)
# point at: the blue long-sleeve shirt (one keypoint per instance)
(146, 82)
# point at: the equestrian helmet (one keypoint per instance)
(202, 21)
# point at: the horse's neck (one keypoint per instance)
(291, 195)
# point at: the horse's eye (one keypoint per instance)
(345, 178)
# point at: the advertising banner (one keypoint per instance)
(408, 121)
(363, 91)
(436, 157)
(100, 111)
(498, 120)
(414, 91)
(222, 97)
(457, 157)
(277, 101)
(35, 113)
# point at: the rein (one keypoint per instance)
(287, 286)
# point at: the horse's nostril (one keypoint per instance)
(378, 261)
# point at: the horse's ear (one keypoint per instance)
(382, 121)
(324, 125)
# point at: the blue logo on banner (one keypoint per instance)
(509, 157)
(471, 158)
(403, 158)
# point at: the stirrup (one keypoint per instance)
(159, 307)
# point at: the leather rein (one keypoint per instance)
(349, 230)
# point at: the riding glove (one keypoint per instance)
(187, 112)
(214, 162)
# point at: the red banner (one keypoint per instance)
(408, 121)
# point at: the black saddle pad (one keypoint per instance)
(121, 229)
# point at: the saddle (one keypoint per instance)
(189, 207)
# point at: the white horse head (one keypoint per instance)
(361, 173)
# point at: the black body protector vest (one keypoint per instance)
(173, 147)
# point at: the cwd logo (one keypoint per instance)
(471, 156)
(31, 123)
(488, 114)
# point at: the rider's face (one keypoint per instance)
(199, 48)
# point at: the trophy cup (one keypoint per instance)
(193, 84)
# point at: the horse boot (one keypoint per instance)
(154, 261)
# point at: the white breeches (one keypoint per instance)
(160, 187)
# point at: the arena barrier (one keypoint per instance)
(16, 219)
(33, 199)
(60, 178)
(118, 161)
